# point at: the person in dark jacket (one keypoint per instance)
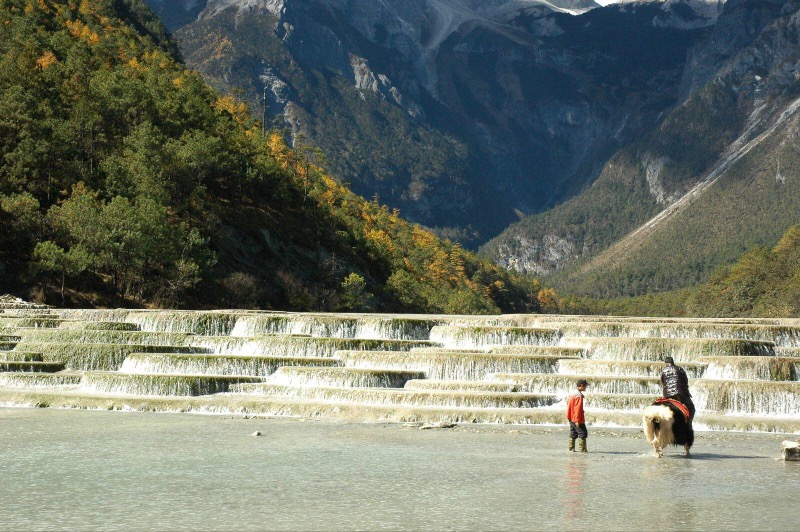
(576, 418)
(675, 384)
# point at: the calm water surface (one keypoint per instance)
(64, 469)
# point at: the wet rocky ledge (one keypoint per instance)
(502, 370)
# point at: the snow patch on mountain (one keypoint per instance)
(681, 14)
(213, 7)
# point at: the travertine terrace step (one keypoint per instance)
(34, 322)
(781, 335)
(39, 380)
(157, 384)
(624, 368)
(466, 386)
(453, 365)
(752, 368)
(481, 336)
(179, 363)
(30, 366)
(618, 401)
(656, 349)
(363, 326)
(283, 406)
(80, 356)
(562, 351)
(748, 397)
(282, 345)
(21, 356)
(342, 377)
(404, 397)
(374, 367)
(98, 325)
(65, 336)
(564, 384)
(787, 352)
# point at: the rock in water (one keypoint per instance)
(439, 425)
(791, 451)
(257, 433)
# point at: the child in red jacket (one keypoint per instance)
(577, 421)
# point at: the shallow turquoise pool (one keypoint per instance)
(90, 470)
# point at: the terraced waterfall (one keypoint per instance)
(745, 374)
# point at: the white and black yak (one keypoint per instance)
(667, 422)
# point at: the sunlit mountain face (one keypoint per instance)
(465, 115)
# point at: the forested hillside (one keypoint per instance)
(125, 180)
(764, 282)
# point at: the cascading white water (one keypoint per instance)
(29, 323)
(623, 402)
(320, 326)
(451, 366)
(21, 356)
(260, 324)
(471, 337)
(294, 346)
(98, 325)
(102, 337)
(444, 362)
(461, 386)
(7, 346)
(38, 380)
(91, 357)
(565, 384)
(781, 335)
(747, 397)
(29, 366)
(342, 377)
(403, 397)
(451, 350)
(793, 352)
(377, 327)
(182, 364)
(395, 328)
(194, 322)
(623, 368)
(656, 349)
(752, 368)
(117, 315)
(154, 385)
(560, 351)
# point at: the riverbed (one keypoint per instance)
(97, 470)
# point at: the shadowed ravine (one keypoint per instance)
(511, 369)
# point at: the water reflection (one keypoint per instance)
(573, 489)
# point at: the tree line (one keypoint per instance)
(126, 180)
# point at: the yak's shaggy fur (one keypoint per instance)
(664, 424)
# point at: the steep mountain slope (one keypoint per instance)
(717, 174)
(764, 282)
(675, 117)
(463, 114)
(126, 180)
